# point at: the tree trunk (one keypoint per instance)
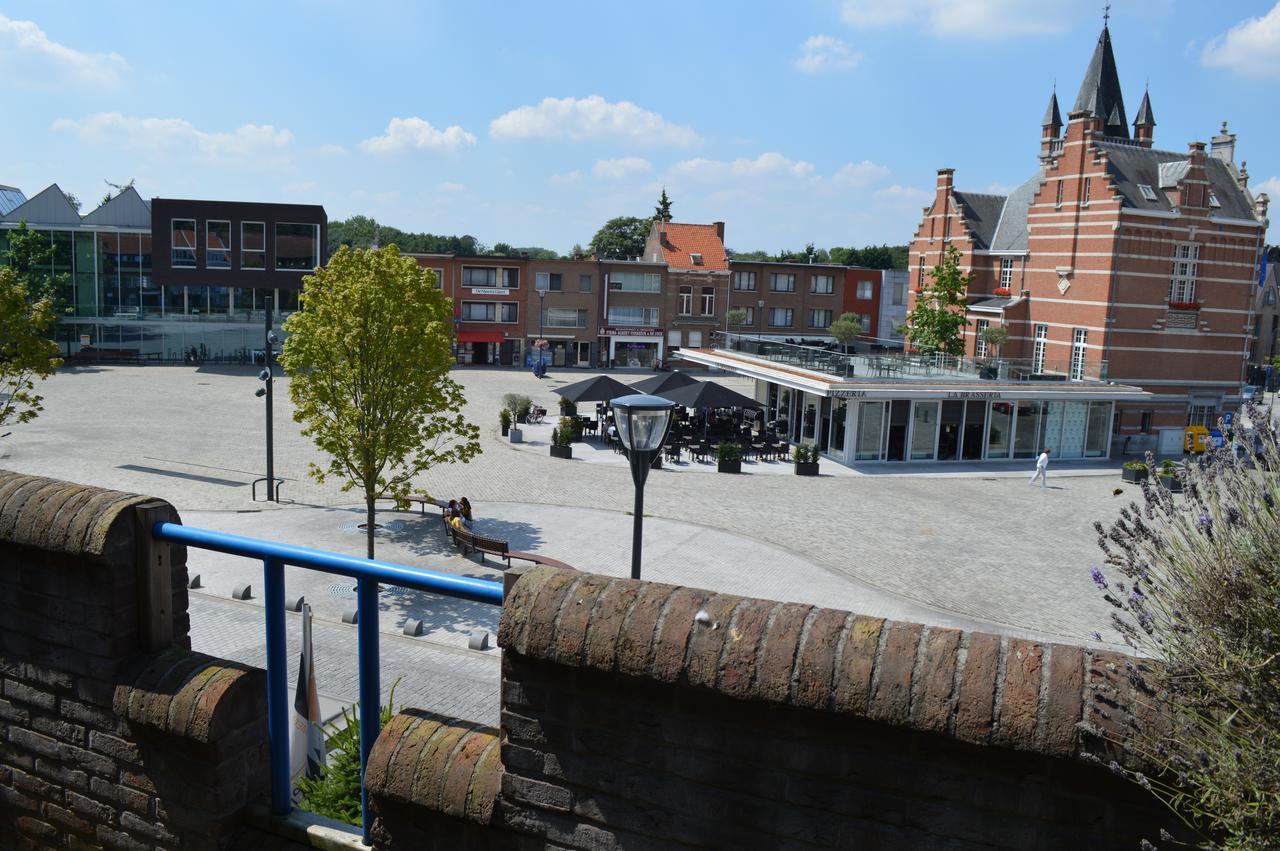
(368, 523)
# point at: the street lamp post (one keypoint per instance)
(542, 319)
(267, 377)
(642, 422)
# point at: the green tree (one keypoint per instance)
(937, 322)
(846, 329)
(662, 212)
(26, 354)
(368, 356)
(872, 257)
(995, 336)
(736, 317)
(358, 232)
(72, 200)
(30, 256)
(621, 237)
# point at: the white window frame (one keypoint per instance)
(507, 272)
(707, 301)
(439, 276)
(1038, 347)
(1202, 415)
(247, 252)
(649, 282)
(775, 277)
(1079, 346)
(744, 282)
(315, 257)
(695, 258)
(686, 301)
(920, 274)
(1148, 192)
(490, 272)
(210, 251)
(864, 319)
(867, 291)
(648, 316)
(1006, 272)
(1186, 268)
(822, 284)
(1060, 194)
(174, 249)
(979, 344)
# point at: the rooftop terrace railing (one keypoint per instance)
(368, 573)
(900, 366)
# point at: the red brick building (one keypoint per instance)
(1114, 260)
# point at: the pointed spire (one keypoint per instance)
(1052, 117)
(1100, 89)
(1145, 117)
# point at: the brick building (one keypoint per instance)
(1115, 260)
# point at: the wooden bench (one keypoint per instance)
(421, 498)
(469, 542)
(538, 559)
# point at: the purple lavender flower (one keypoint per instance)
(1098, 578)
(1205, 522)
(1097, 636)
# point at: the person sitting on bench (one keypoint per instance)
(464, 512)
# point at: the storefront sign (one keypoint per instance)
(490, 291)
(848, 394)
(616, 331)
(975, 394)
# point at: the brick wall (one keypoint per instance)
(111, 734)
(629, 721)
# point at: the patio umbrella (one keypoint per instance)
(668, 381)
(601, 388)
(708, 394)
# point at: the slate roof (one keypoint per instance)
(991, 304)
(1145, 116)
(49, 207)
(1011, 231)
(981, 213)
(683, 240)
(1100, 90)
(1052, 117)
(11, 198)
(1130, 166)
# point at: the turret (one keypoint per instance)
(1145, 124)
(1050, 127)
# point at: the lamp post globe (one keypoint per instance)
(642, 422)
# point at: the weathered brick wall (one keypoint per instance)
(103, 743)
(628, 721)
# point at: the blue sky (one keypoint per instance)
(533, 123)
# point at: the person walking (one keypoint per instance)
(1042, 469)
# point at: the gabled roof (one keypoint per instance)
(1100, 90)
(126, 210)
(1131, 166)
(1011, 231)
(10, 198)
(981, 213)
(683, 240)
(50, 207)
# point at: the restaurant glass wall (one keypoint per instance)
(999, 430)
(924, 430)
(949, 429)
(839, 414)
(1026, 442)
(870, 431)
(975, 431)
(1098, 443)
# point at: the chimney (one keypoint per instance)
(946, 182)
(1243, 177)
(1195, 153)
(1223, 146)
(1260, 206)
(719, 226)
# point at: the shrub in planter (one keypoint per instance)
(567, 408)
(519, 405)
(729, 457)
(562, 439)
(805, 456)
(504, 420)
(1135, 471)
(1169, 476)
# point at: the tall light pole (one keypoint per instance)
(267, 377)
(642, 422)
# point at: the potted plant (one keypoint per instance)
(567, 408)
(562, 439)
(805, 456)
(1169, 476)
(1135, 471)
(504, 420)
(728, 457)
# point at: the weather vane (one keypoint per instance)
(1106, 14)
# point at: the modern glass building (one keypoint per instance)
(196, 290)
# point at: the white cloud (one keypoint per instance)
(331, 150)
(589, 118)
(984, 19)
(620, 168)
(1250, 48)
(450, 186)
(860, 174)
(825, 53)
(771, 163)
(404, 133)
(1271, 186)
(250, 144)
(998, 188)
(903, 195)
(23, 42)
(570, 178)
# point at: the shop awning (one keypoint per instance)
(480, 336)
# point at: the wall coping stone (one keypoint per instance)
(191, 695)
(1055, 699)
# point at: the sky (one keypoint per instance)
(533, 124)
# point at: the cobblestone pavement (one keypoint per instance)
(977, 543)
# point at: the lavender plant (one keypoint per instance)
(1195, 582)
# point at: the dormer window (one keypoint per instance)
(1213, 199)
(696, 258)
(1147, 192)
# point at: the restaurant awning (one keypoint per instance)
(480, 336)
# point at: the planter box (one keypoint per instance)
(516, 436)
(506, 429)
(1135, 475)
(729, 466)
(565, 452)
(1173, 483)
(806, 468)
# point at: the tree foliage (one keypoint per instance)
(846, 329)
(937, 322)
(358, 232)
(662, 212)
(871, 257)
(736, 317)
(621, 238)
(26, 354)
(30, 257)
(368, 355)
(1194, 581)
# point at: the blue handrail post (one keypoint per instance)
(370, 689)
(277, 686)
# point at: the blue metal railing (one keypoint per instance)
(368, 574)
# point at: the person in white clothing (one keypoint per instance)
(1042, 469)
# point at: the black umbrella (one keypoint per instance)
(668, 381)
(708, 394)
(602, 388)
